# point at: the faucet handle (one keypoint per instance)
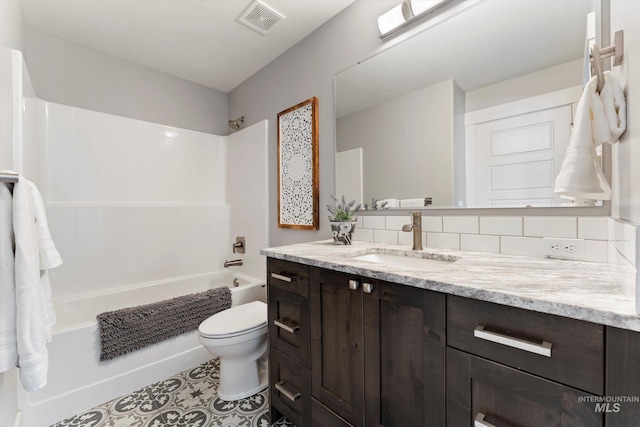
(239, 245)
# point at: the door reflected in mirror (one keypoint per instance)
(475, 111)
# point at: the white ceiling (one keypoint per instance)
(196, 40)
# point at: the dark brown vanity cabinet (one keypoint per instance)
(346, 350)
(289, 345)
(378, 352)
(512, 367)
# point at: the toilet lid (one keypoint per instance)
(235, 320)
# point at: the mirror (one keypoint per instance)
(473, 111)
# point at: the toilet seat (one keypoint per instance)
(236, 321)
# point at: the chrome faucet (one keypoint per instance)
(233, 262)
(416, 227)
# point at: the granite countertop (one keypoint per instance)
(595, 292)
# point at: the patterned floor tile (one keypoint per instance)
(188, 399)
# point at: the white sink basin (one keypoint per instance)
(415, 263)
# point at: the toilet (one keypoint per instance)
(238, 336)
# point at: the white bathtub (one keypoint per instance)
(78, 381)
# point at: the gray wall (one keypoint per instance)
(73, 75)
(304, 71)
(537, 83)
(407, 145)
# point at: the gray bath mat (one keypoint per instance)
(129, 329)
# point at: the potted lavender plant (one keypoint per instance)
(342, 216)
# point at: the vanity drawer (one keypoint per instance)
(565, 350)
(289, 324)
(290, 388)
(289, 276)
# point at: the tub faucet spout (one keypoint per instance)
(232, 263)
(416, 227)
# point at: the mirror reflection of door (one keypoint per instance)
(514, 155)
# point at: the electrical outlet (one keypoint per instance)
(564, 248)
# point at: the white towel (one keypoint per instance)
(8, 345)
(412, 203)
(599, 118)
(614, 110)
(34, 308)
(391, 203)
(49, 257)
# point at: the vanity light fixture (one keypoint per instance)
(407, 12)
(394, 19)
(418, 7)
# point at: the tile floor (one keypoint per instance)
(188, 399)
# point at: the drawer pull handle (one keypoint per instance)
(280, 324)
(367, 288)
(543, 349)
(286, 393)
(480, 422)
(283, 278)
(354, 285)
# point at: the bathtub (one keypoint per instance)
(78, 381)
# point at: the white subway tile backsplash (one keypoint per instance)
(551, 227)
(528, 246)
(501, 225)
(615, 257)
(406, 239)
(432, 223)
(596, 250)
(443, 240)
(592, 228)
(460, 224)
(375, 222)
(396, 222)
(363, 234)
(385, 236)
(480, 243)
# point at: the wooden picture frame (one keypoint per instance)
(298, 188)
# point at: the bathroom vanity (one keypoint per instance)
(482, 339)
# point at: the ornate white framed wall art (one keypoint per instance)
(298, 193)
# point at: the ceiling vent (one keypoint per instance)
(260, 17)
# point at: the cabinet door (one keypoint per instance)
(289, 324)
(404, 356)
(485, 393)
(336, 343)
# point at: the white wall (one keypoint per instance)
(423, 121)
(70, 74)
(248, 195)
(129, 201)
(625, 15)
(12, 28)
(304, 71)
